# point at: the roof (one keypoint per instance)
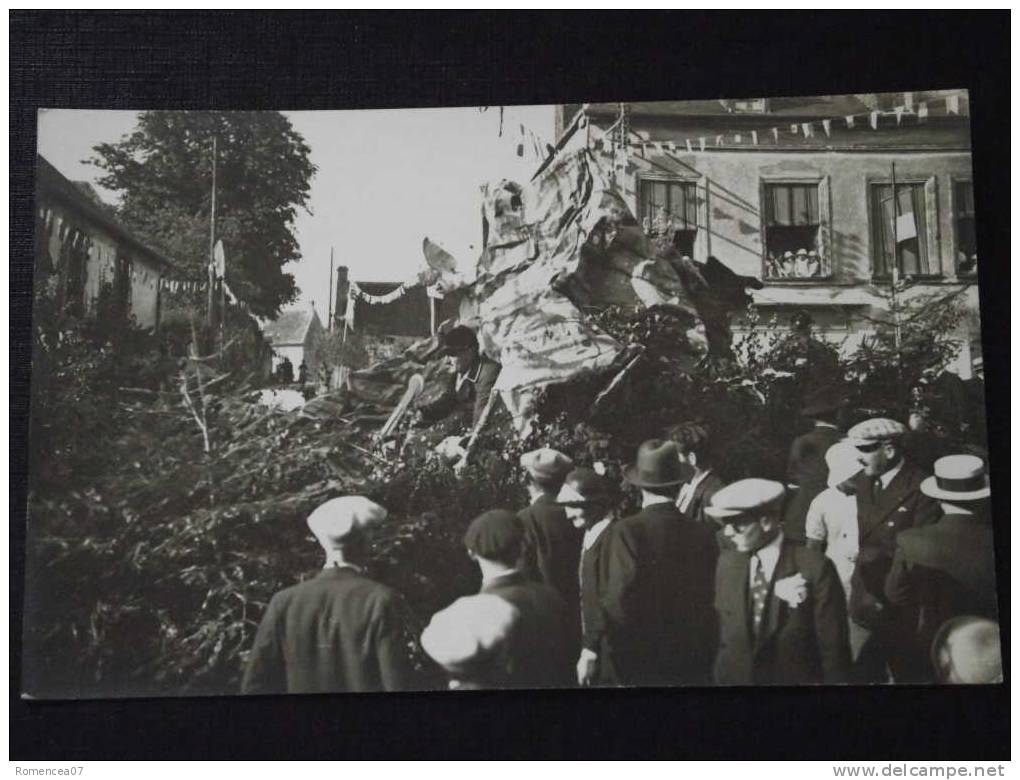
(290, 327)
(73, 195)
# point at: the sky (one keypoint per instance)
(386, 179)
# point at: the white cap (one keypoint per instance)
(471, 630)
(334, 521)
(743, 497)
(841, 458)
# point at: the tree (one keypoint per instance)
(164, 171)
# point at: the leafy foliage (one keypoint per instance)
(164, 171)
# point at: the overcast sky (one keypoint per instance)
(386, 179)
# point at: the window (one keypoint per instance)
(793, 223)
(903, 230)
(966, 238)
(671, 208)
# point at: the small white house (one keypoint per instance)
(292, 335)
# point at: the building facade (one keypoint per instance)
(95, 264)
(294, 335)
(798, 192)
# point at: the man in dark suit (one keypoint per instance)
(694, 446)
(472, 382)
(806, 466)
(659, 577)
(552, 545)
(947, 569)
(889, 501)
(339, 631)
(782, 612)
(539, 647)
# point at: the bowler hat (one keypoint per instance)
(495, 535)
(958, 478)
(657, 465)
(822, 400)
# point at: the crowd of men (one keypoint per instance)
(860, 569)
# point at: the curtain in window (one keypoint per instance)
(791, 205)
(910, 228)
(669, 203)
(684, 206)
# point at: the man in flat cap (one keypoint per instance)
(552, 546)
(661, 565)
(782, 613)
(470, 639)
(473, 379)
(889, 500)
(947, 569)
(539, 646)
(339, 631)
(806, 467)
(967, 650)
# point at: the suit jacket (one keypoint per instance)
(552, 551)
(807, 469)
(946, 570)
(896, 508)
(655, 597)
(339, 631)
(703, 493)
(799, 645)
(539, 650)
(470, 395)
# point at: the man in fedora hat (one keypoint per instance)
(552, 545)
(947, 569)
(470, 640)
(662, 565)
(587, 500)
(889, 501)
(339, 631)
(539, 649)
(806, 465)
(782, 613)
(472, 381)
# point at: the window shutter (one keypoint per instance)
(931, 213)
(825, 227)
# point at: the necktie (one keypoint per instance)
(759, 593)
(876, 488)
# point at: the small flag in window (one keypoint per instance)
(874, 120)
(953, 104)
(922, 112)
(850, 121)
(827, 127)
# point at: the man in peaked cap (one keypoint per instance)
(889, 501)
(660, 569)
(947, 569)
(806, 465)
(470, 640)
(552, 546)
(538, 648)
(474, 377)
(338, 631)
(782, 613)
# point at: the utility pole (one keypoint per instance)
(894, 297)
(329, 306)
(212, 242)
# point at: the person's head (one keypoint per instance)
(546, 468)
(495, 538)
(878, 444)
(469, 640)
(960, 484)
(801, 323)
(657, 469)
(843, 464)
(748, 512)
(461, 345)
(340, 526)
(694, 446)
(586, 497)
(967, 651)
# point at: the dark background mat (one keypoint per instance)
(234, 60)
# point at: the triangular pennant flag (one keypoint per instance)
(808, 130)
(775, 134)
(793, 129)
(718, 140)
(922, 112)
(754, 137)
(953, 104)
(689, 148)
(906, 227)
(850, 122)
(827, 127)
(899, 113)
(701, 143)
(874, 120)
(737, 138)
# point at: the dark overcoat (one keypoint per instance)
(337, 632)
(552, 547)
(703, 493)
(801, 645)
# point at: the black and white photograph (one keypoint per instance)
(583, 395)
